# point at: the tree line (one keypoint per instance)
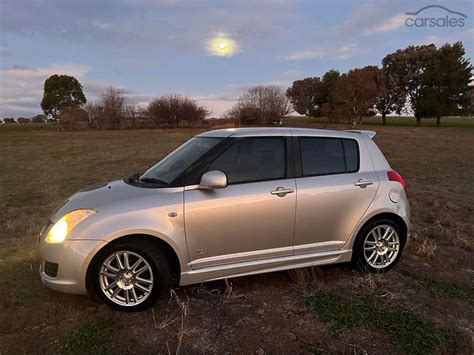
(423, 80)
(112, 110)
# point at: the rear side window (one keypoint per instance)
(325, 156)
(253, 159)
(351, 153)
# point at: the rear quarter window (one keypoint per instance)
(351, 153)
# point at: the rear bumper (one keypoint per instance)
(73, 258)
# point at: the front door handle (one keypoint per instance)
(362, 183)
(282, 191)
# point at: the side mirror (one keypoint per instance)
(213, 179)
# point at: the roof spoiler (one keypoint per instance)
(371, 134)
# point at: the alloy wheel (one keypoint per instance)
(381, 246)
(126, 278)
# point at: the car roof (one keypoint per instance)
(281, 131)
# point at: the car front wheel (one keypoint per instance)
(131, 277)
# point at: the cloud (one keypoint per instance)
(183, 25)
(291, 73)
(24, 73)
(5, 52)
(22, 86)
(372, 18)
(324, 52)
(392, 24)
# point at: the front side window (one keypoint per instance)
(175, 163)
(324, 156)
(253, 159)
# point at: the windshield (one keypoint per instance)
(171, 166)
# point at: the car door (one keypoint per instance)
(253, 217)
(335, 188)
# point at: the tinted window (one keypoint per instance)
(351, 151)
(323, 156)
(171, 166)
(252, 159)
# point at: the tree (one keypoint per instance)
(389, 98)
(405, 67)
(328, 80)
(38, 119)
(353, 96)
(109, 111)
(73, 119)
(445, 84)
(262, 105)
(243, 114)
(93, 114)
(61, 92)
(23, 120)
(173, 109)
(305, 97)
(132, 113)
(470, 95)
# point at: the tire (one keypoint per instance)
(135, 282)
(363, 257)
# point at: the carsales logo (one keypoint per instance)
(447, 19)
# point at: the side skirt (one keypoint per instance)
(264, 266)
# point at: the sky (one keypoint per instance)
(210, 50)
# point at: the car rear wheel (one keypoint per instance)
(378, 246)
(130, 276)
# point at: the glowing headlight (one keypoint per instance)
(61, 229)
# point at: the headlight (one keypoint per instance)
(61, 229)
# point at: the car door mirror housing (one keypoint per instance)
(213, 179)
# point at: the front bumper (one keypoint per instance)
(73, 258)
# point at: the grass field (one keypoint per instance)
(424, 305)
(297, 121)
(397, 121)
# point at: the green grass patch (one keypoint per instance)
(319, 348)
(408, 333)
(90, 338)
(442, 288)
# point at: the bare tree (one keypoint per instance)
(112, 104)
(109, 111)
(132, 113)
(262, 105)
(93, 112)
(174, 109)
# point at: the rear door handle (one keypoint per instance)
(281, 191)
(362, 183)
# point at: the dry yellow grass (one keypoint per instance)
(38, 169)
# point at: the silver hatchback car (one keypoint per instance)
(229, 203)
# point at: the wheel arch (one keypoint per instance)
(383, 215)
(172, 256)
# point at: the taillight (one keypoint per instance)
(394, 176)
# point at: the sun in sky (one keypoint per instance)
(222, 46)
